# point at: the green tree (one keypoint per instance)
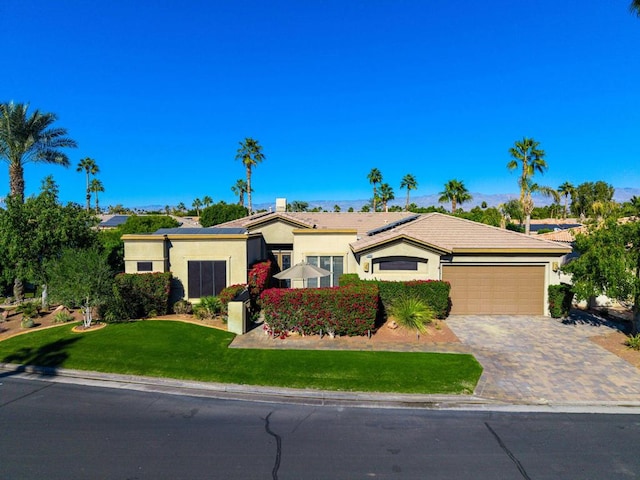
(250, 154)
(96, 186)
(410, 183)
(81, 278)
(374, 178)
(298, 206)
(566, 190)
(527, 155)
(89, 166)
(29, 138)
(239, 189)
(609, 264)
(221, 212)
(635, 7)
(37, 230)
(588, 194)
(207, 201)
(181, 207)
(386, 195)
(510, 211)
(456, 193)
(197, 203)
(336, 208)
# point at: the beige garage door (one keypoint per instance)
(493, 290)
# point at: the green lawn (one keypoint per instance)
(185, 351)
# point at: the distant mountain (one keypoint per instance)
(492, 200)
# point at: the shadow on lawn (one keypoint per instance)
(44, 360)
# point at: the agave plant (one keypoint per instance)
(412, 313)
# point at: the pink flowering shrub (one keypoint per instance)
(347, 311)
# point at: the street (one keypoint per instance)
(58, 431)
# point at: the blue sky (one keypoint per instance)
(160, 92)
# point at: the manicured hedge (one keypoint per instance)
(228, 294)
(434, 292)
(350, 310)
(560, 299)
(139, 295)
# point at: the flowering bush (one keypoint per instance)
(348, 310)
(259, 279)
(228, 294)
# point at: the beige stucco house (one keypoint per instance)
(491, 271)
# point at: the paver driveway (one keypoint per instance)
(540, 360)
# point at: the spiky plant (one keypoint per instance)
(412, 313)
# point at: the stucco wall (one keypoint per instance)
(428, 268)
(151, 249)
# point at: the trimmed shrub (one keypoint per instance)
(348, 279)
(560, 298)
(28, 309)
(435, 293)
(347, 311)
(227, 295)
(183, 307)
(139, 295)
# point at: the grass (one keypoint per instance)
(185, 351)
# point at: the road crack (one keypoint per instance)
(276, 466)
(513, 458)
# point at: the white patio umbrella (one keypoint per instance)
(302, 271)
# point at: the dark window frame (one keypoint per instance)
(144, 267)
(206, 277)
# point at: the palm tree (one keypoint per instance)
(96, 186)
(90, 168)
(565, 190)
(386, 195)
(29, 138)
(197, 203)
(410, 183)
(456, 193)
(207, 200)
(374, 178)
(250, 154)
(635, 7)
(531, 158)
(239, 189)
(181, 207)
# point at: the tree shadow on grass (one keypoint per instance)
(44, 360)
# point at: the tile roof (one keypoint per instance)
(453, 234)
(360, 221)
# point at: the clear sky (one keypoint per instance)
(160, 92)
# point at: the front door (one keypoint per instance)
(282, 258)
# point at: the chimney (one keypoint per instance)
(281, 204)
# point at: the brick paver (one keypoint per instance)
(539, 360)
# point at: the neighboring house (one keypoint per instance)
(491, 271)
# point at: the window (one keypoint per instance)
(206, 278)
(145, 266)
(398, 265)
(334, 264)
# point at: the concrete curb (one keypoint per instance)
(302, 396)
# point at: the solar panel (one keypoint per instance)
(201, 231)
(391, 225)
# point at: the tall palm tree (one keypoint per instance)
(239, 189)
(90, 167)
(374, 178)
(250, 154)
(207, 200)
(456, 193)
(96, 186)
(635, 7)
(386, 195)
(527, 154)
(565, 190)
(29, 138)
(197, 203)
(410, 183)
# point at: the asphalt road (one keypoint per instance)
(59, 431)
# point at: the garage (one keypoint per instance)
(496, 289)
